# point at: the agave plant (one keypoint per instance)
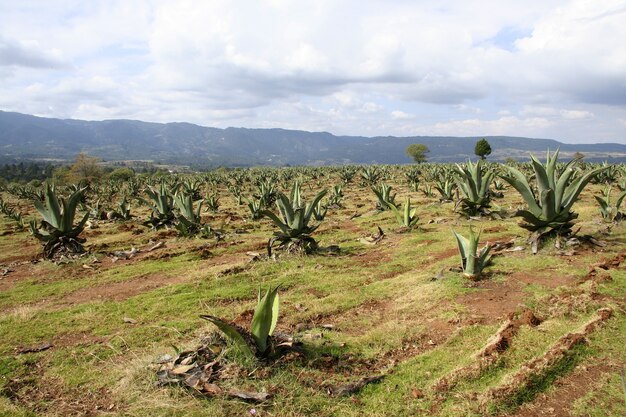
(385, 198)
(123, 210)
(549, 208)
(610, 212)
(212, 202)
(336, 198)
(472, 261)
(12, 214)
(57, 231)
(413, 178)
(162, 205)
(498, 185)
(191, 187)
(293, 223)
(258, 341)
(133, 186)
(97, 211)
(371, 175)
(428, 190)
(347, 173)
(236, 192)
(267, 193)
(319, 211)
(255, 208)
(446, 188)
(406, 217)
(189, 220)
(608, 175)
(473, 181)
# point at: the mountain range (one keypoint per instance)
(27, 137)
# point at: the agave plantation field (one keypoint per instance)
(333, 291)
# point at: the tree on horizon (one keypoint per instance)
(417, 151)
(482, 148)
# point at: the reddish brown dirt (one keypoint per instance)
(567, 389)
(494, 301)
(372, 257)
(18, 257)
(499, 298)
(494, 229)
(349, 226)
(244, 319)
(438, 332)
(119, 291)
(42, 395)
(17, 273)
(448, 253)
(541, 278)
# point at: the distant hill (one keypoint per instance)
(28, 137)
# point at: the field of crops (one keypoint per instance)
(377, 316)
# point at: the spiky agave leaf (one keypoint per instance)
(50, 209)
(472, 262)
(232, 333)
(310, 207)
(265, 318)
(406, 217)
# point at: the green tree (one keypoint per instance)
(482, 148)
(122, 174)
(85, 170)
(417, 151)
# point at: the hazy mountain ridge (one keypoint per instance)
(25, 136)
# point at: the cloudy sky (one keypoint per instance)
(539, 68)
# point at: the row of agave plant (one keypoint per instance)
(175, 201)
(542, 213)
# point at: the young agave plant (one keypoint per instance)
(428, 190)
(610, 213)
(413, 178)
(446, 188)
(212, 202)
(257, 341)
(294, 223)
(189, 220)
(192, 187)
(236, 192)
(255, 208)
(550, 207)
(161, 203)
(473, 181)
(406, 217)
(57, 231)
(97, 211)
(319, 211)
(267, 193)
(347, 173)
(336, 198)
(370, 175)
(385, 198)
(472, 261)
(123, 212)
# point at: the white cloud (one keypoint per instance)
(400, 115)
(555, 68)
(576, 114)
